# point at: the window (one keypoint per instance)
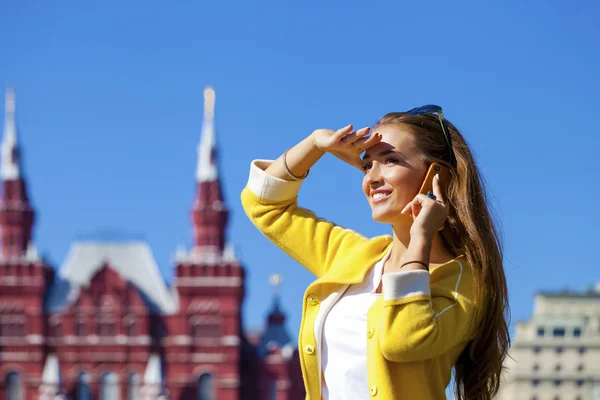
(579, 382)
(205, 387)
(580, 367)
(133, 386)
(106, 327)
(109, 387)
(557, 367)
(582, 350)
(536, 367)
(205, 327)
(540, 332)
(559, 349)
(13, 386)
(55, 326)
(129, 325)
(577, 332)
(83, 387)
(557, 382)
(535, 382)
(80, 327)
(558, 332)
(537, 349)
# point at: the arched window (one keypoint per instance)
(80, 326)
(106, 327)
(133, 386)
(205, 327)
(109, 387)
(83, 387)
(129, 325)
(272, 390)
(13, 386)
(55, 326)
(205, 387)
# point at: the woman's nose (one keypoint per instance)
(374, 175)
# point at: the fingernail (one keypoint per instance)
(437, 177)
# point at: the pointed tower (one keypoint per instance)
(24, 275)
(275, 335)
(209, 214)
(16, 214)
(209, 281)
(280, 375)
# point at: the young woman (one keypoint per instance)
(391, 316)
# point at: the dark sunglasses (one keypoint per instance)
(433, 109)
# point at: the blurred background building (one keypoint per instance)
(556, 354)
(106, 325)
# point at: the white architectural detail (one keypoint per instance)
(31, 254)
(10, 168)
(180, 254)
(153, 379)
(207, 168)
(51, 381)
(229, 253)
(215, 281)
(556, 354)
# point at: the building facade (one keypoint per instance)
(556, 354)
(105, 324)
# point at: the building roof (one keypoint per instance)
(276, 334)
(133, 261)
(592, 292)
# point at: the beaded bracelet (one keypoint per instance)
(289, 173)
(415, 262)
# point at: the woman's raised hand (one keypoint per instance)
(345, 144)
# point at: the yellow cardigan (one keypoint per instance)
(416, 329)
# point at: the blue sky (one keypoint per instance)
(109, 102)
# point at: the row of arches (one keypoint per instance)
(109, 386)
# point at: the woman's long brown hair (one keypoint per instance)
(469, 230)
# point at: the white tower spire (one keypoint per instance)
(9, 164)
(207, 161)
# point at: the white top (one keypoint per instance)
(9, 163)
(344, 348)
(206, 170)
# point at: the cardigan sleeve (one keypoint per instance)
(271, 204)
(423, 320)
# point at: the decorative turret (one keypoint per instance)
(275, 335)
(209, 214)
(16, 214)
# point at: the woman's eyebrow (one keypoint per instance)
(381, 154)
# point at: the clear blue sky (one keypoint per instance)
(109, 102)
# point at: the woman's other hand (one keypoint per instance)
(428, 214)
(345, 144)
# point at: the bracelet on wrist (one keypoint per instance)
(289, 173)
(415, 262)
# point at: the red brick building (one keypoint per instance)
(105, 325)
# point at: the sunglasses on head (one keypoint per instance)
(433, 109)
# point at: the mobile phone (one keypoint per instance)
(434, 169)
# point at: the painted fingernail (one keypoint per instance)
(437, 177)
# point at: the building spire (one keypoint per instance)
(10, 168)
(207, 150)
(209, 214)
(16, 214)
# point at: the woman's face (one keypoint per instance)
(394, 171)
